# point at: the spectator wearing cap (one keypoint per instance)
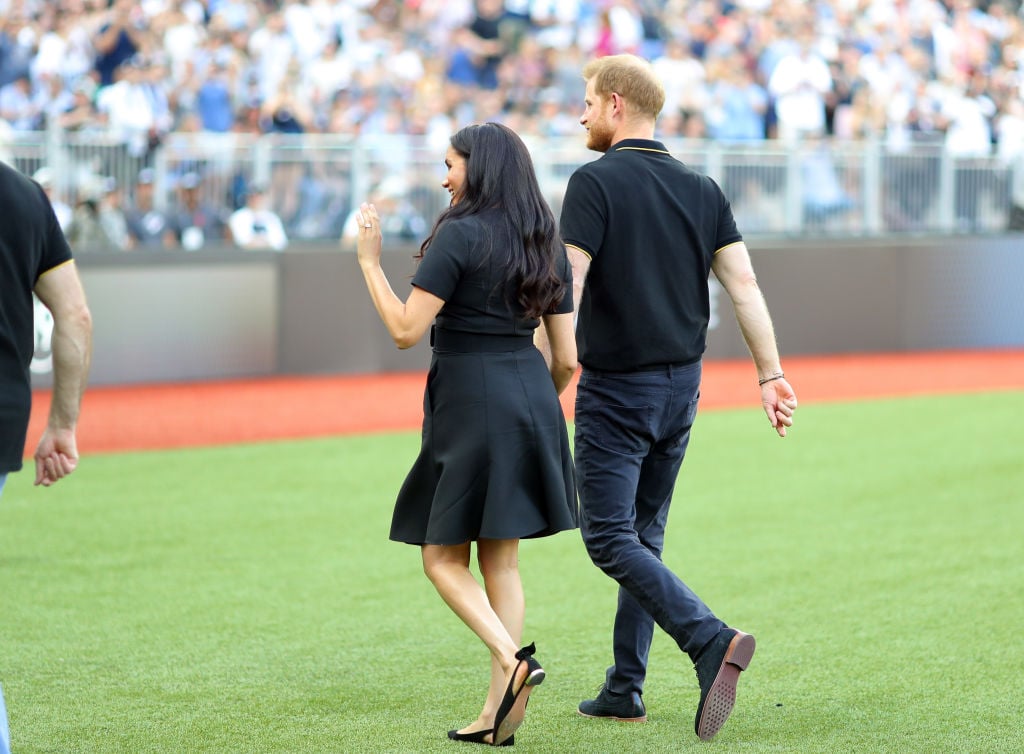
(111, 215)
(195, 222)
(85, 231)
(149, 227)
(255, 226)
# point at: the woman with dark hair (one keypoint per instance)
(495, 465)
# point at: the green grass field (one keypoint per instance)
(246, 599)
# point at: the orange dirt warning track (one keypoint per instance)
(148, 417)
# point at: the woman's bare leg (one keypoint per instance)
(447, 567)
(499, 566)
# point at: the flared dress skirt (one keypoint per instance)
(495, 460)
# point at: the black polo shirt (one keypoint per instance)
(651, 227)
(31, 243)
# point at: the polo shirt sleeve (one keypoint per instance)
(584, 214)
(443, 263)
(565, 271)
(56, 250)
(728, 233)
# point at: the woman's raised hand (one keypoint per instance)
(368, 244)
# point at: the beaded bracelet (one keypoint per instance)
(766, 380)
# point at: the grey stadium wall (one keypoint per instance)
(223, 313)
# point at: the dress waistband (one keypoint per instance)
(472, 342)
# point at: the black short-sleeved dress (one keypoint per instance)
(494, 461)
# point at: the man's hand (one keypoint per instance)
(779, 403)
(56, 456)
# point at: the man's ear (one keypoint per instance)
(618, 103)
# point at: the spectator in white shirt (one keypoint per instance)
(256, 227)
(19, 106)
(129, 108)
(271, 49)
(684, 78)
(44, 177)
(1010, 149)
(967, 112)
(799, 84)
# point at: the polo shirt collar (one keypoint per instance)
(642, 145)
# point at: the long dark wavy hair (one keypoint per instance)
(500, 175)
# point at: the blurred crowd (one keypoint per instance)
(947, 72)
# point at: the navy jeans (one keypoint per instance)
(631, 435)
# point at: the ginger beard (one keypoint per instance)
(597, 121)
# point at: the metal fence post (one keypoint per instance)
(161, 184)
(871, 196)
(262, 157)
(794, 191)
(55, 156)
(713, 161)
(360, 179)
(946, 219)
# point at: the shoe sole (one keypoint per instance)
(642, 719)
(517, 714)
(722, 695)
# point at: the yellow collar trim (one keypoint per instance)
(642, 149)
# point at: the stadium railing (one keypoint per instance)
(813, 188)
